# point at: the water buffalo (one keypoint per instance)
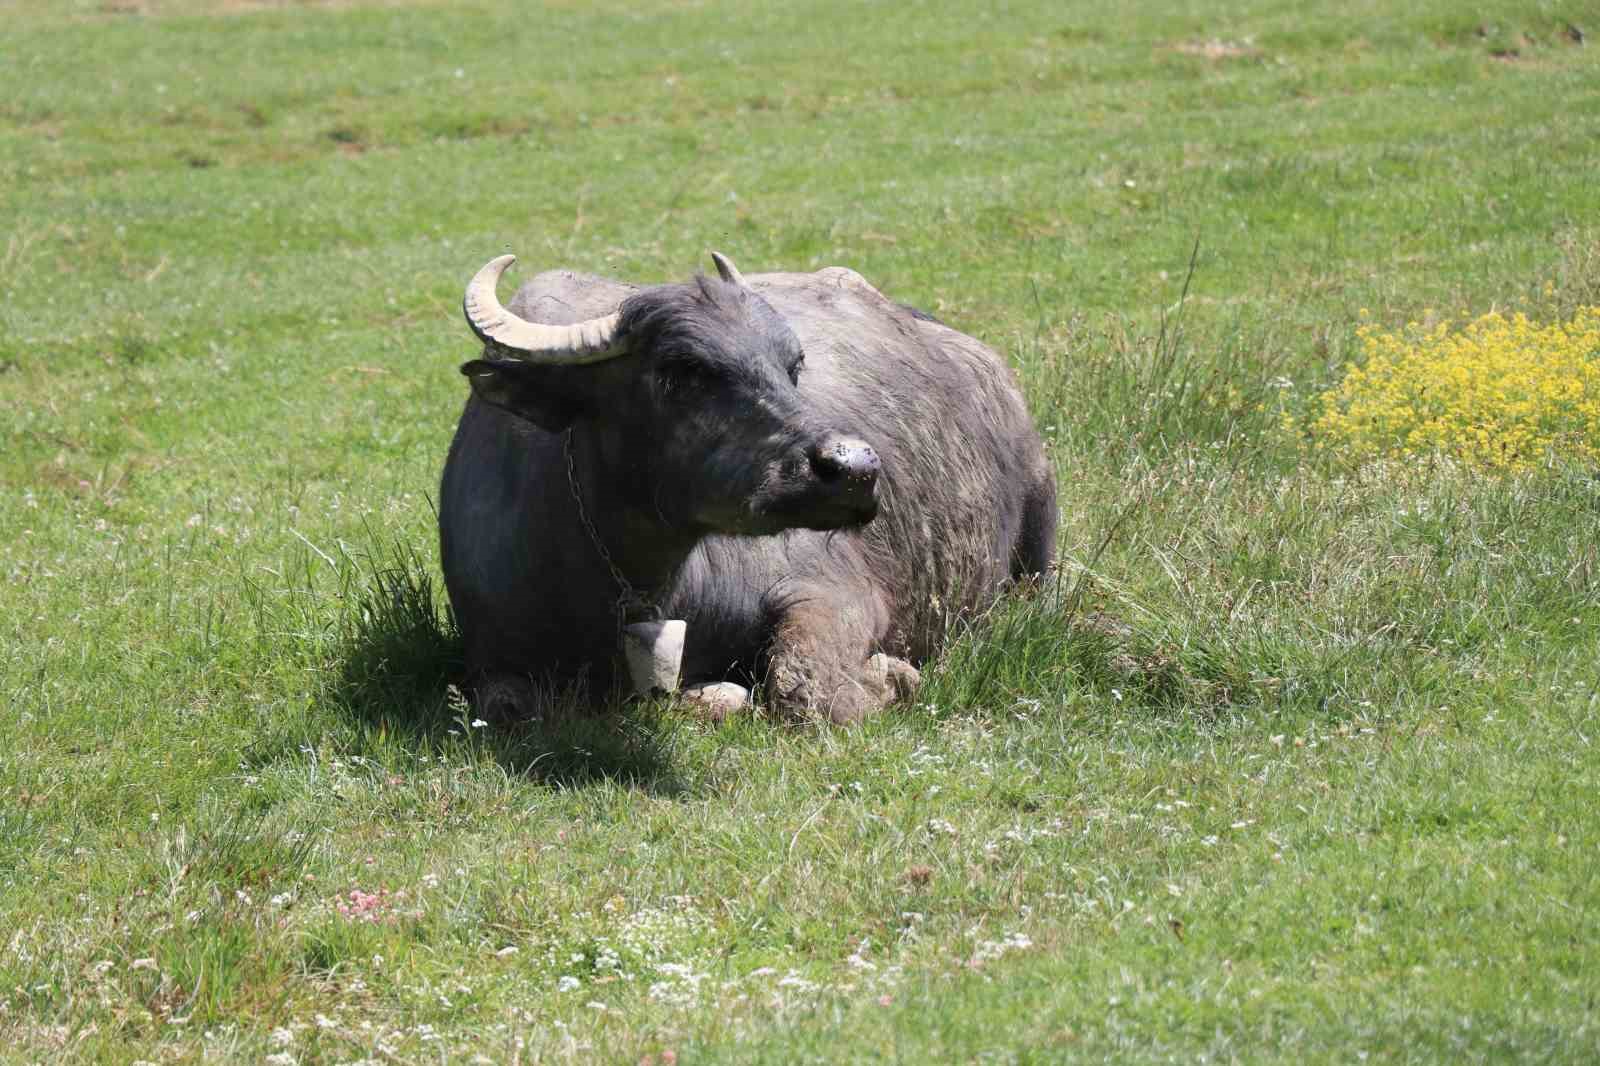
(817, 479)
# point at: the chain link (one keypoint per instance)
(629, 600)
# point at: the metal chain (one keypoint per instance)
(629, 599)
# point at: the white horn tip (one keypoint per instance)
(480, 290)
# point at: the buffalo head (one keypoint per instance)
(694, 395)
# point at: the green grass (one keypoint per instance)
(1295, 762)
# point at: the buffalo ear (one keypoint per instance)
(550, 397)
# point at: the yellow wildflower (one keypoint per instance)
(1498, 393)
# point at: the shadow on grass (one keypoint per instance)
(402, 682)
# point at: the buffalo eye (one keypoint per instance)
(686, 374)
(795, 367)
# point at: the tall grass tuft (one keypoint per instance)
(399, 648)
(1039, 647)
(1123, 394)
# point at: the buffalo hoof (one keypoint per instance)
(899, 676)
(716, 700)
(883, 680)
(843, 700)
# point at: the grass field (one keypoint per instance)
(1296, 762)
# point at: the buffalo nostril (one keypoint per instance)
(845, 458)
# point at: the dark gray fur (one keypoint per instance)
(689, 455)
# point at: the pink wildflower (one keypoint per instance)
(362, 906)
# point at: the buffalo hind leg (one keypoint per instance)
(821, 664)
(1034, 554)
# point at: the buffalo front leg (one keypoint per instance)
(822, 665)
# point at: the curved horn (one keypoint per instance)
(727, 271)
(581, 342)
